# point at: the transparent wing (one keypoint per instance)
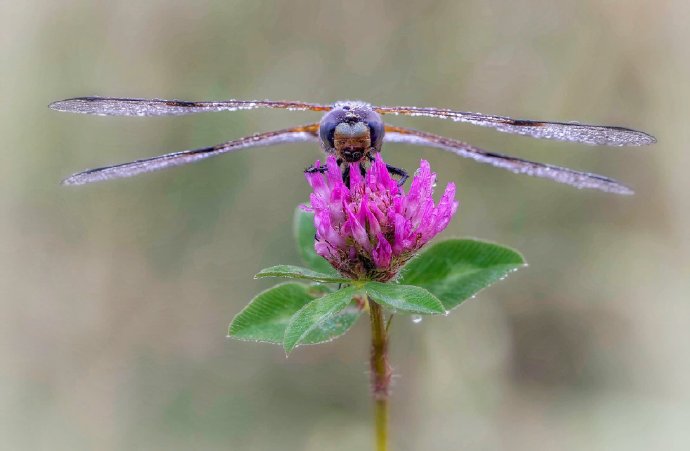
(306, 133)
(112, 106)
(561, 131)
(516, 165)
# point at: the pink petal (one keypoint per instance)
(356, 180)
(382, 253)
(447, 207)
(357, 230)
(401, 233)
(333, 174)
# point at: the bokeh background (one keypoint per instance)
(116, 296)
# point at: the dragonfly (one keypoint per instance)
(355, 132)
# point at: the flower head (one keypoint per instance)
(371, 228)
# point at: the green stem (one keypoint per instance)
(380, 374)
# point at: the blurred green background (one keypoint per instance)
(116, 296)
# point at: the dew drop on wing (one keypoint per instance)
(416, 319)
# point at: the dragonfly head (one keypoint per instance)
(351, 130)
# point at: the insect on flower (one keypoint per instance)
(354, 132)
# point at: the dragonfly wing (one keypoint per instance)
(513, 164)
(306, 133)
(561, 131)
(113, 106)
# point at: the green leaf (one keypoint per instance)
(296, 272)
(333, 328)
(455, 270)
(316, 315)
(404, 298)
(266, 317)
(303, 224)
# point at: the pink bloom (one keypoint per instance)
(370, 229)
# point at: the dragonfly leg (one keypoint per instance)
(399, 172)
(393, 170)
(346, 175)
(320, 169)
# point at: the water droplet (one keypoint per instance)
(417, 319)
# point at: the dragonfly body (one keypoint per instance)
(354, 131)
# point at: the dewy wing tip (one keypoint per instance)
(74, 179)
(651, 139)
(622, 189)
(57, 105)
(69, 181)
(71, 105)
(640, 139)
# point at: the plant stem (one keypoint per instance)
(380, 374)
